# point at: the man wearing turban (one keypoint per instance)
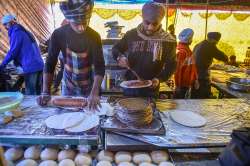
(204, 53)
(81, 54)
(148, 50)
(186, 74)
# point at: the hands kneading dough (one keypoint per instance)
(27, 162)
(122, 157)
(48, 163)
(105, 156)
(49, 154)
(83, 159)
(13, 154)
(159, 156)
(140, 157)
(66, 154)
(66, 162)
(32, 152)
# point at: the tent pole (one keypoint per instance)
(206, 20)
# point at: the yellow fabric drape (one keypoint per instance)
(203, 15)
(186, 14)
(128, 14)
(105, 13)
(222, 16)
(240, 16)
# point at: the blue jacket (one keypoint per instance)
(23, 50)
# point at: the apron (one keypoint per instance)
(77, 78)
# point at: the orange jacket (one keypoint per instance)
(186, 72)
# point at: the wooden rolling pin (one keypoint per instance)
(78, 102)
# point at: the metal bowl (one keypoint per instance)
(239, 84)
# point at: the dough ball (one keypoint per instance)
(146, 164)
(32, 152)
(166, 163)
(13, 154)
(66, 162)
(104, 163)
(126, 164)
(140, 157)
(27, 162)
(5, 119)
(49, 154)
(48, 163)
(122, 157)
(66, 154)
(159, 156)
(105, 156)
(83, 159)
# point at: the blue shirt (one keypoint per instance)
(23, 50)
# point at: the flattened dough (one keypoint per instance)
(73, 119)
(27, 162)
(188, 118)
(32, 152)
(89, 122)
(13, 154)
(55, 121)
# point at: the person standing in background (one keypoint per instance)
(25, 52)
(186, 74)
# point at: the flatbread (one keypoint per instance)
(65, 120)
(188, 118)
(89, 122)
(73, 119)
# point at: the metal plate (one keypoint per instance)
(125, 84)
(113, 124)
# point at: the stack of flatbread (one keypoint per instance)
(73, 122)
(134, 111)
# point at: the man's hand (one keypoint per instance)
(155, 83)
(196, 84)
(122, 61)
(93, 101)
(43, 99)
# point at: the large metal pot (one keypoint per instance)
(239, 84)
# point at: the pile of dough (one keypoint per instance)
(49, 154)
(13, 154)
(83, 159)
(122, 157)
(126, 164)
(146, 164)
(166, 163)
(66, 154)
(105, 156)
(48, 163)
(104, 163)
(140, 157)
(32, 152)
(159, 156)
(66, 162)
(27, 162)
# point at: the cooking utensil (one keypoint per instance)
(239, 84)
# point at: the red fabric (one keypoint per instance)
(186, 72)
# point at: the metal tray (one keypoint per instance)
(239, 84)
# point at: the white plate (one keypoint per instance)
(124, 84)
(188, 118)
